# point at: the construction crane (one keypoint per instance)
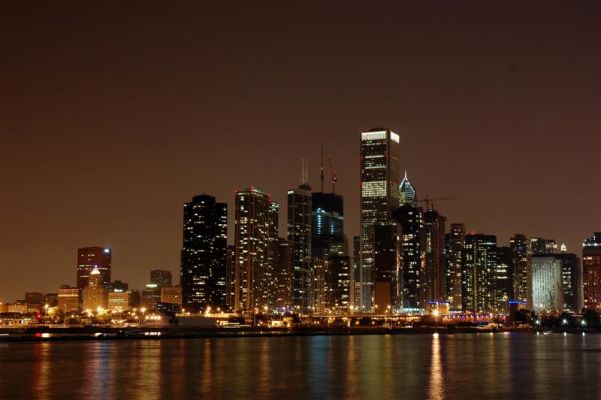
(333, 173)
(321, 170)
(429, 201)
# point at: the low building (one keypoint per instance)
(68, 299)
(118, 301)
(171, 295)
(151, 296)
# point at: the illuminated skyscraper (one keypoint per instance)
(203, 257)
(571, 271)
(547, 286)
(478, 276)
(89, 258)
(413, 256)
(503, 283)
(95, 295)
(230, 276)
(521, 265)
(434, 227)
(252, 230)
(454, 245)
(299, 236)
(591, 268)
(379, 175)
(327, 229)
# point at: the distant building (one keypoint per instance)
(356, 274)
(34, 299)
(379, 178)
(204, 254)
(454, 249)
(503, 282)
(119, 286)
(171, 295)
(521, 266)
(299, 236)
(543, 246)
(386, 267)
(327, 228)
(151, 296)
(591, 268)
(332, 284)
(161, 278)
(282, 274)
(547, 284)
(90, 258)
(230, 277)
(51, 299)
(118, 301)
(95, 295)
(69, 298)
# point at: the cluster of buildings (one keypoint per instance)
(406, 259)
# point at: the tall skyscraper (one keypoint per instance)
(591, 268)
(299, 236)
(356, 274)
(503, 282)
(89, 258)
(478, 276)
(203, 257)
(327, 228)
(254, 213)
(434, 227)
(571, 271)
(379, 176)
(413, 256)
(95, 295)
(454, 249)
(230, 276)
(521, 265)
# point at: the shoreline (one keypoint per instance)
(56, 334)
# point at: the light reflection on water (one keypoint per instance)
(436, 367)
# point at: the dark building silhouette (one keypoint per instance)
(571, 274)
(161, 278)
(89, 258)
(521, 266)
(591, 269)
(503, 282)
(203, 257)
(230, 276)
(434, 231)
(327, 228)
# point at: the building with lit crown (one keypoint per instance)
(89, 258)
(591, 269)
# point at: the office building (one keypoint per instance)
(478, 275)
(118, 301)
(69, 298)
(571, 275)
(434, 232)
(454, 249)
(327, 228)
(161, 278)
(204, 253)
(379, 179)
(591, 269)
(299, 236)
(90, 258)
(95, 295)
(521, 265)
(547, 284)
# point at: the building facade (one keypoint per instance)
(89, 258)
(591, 269)
(454, 249)
(299, 236)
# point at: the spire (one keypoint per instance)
(407, 193)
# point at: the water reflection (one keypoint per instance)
(350, 367)
(436, 387)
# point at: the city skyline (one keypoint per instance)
(520, 154)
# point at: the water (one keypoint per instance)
(482, 366)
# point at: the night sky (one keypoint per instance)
(113, 115)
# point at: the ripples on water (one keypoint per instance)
(482, 366)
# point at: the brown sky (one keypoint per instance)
(113, 115)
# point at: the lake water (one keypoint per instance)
(461, 366)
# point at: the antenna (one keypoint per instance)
(321, 170)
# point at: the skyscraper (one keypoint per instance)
(379, 176)
(299, 236)
(521, 265)
(571, 271)
(230, 276)
(203, 257)
(503, 282)
(89, 258)
(327, 228)
(454, 249)
(547, 286)
(412, 255)
(252, 230)
(95, 295)
(591, 268)
(434, 226)
(161, 278)
(478, 275)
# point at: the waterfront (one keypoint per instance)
(434, 366)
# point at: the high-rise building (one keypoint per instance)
(203, 257)
(252, 232)
(478, 275)
(521, 265)
(95, 295)
(591, 269)
(299, 236)
(434, 231)
(386, 271)
(454, 248)
(89, 258)
(332, 284)
(547, 283)
(327, 228)
(571, 274)
(356, 274)
(412, 256)
(543, 246)
(379, 176)
(503, 282)
(282, 275)
(230, 276)
(161, 278)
